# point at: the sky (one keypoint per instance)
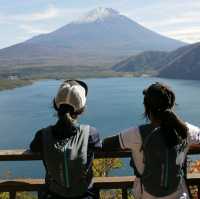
(22, 19)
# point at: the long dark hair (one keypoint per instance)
(159, 101)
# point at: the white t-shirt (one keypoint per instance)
(131, 139)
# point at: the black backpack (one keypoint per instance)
(161, 175)
(66, 161)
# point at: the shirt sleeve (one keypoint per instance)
(36, 144)
(194, 134)
(94, 141)
(129, 137)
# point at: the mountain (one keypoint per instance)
(183, 63)
(184, 66)
(148, 60)
(100, 38)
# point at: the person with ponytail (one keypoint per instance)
(67, 147)
(158, 147)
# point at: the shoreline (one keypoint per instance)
(9, 84)
(6, 84)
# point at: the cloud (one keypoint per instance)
(174, 18)
(49, 13)
(190, 35)
(34, 30)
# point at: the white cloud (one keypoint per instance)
(190, 35)
(49, 13)
(174, 18)
(34, 30)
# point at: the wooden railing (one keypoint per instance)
(118, 182)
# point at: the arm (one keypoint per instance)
(36, 144)
(126, 139)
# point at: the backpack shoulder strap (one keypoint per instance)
(146, 132)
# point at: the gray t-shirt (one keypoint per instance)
(131, 139)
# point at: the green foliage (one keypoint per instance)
(20, 195)
(4, 195)
(102, 167)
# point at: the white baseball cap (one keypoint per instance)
(73, 93)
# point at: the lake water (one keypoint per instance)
(113, 104)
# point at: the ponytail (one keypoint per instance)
(173, 128)
(66, 119)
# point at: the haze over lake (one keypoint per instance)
(113, 104)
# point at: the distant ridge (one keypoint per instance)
(100, 38)
(186, 65)
(143, 61)
(183, 63)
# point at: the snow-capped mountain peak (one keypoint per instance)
(98, 14)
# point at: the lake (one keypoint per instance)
(113, 104)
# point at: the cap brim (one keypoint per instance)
(84, 85)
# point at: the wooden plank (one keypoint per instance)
(21, 185)
(37, 184)
(115, 182)
(23, 154)
(18, 155)
(113, 154)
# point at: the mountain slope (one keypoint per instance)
(184, 66)
(144, 61)
(183, 63)
(100, 38)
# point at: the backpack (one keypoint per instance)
(162, 175)
(65, 162)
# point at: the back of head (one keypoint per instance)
(70, 101)
(159, 101)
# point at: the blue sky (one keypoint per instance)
(23, 19)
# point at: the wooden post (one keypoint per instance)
(12, 195)
(97, 193)
(124, 193)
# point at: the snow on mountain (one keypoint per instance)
(98, 14)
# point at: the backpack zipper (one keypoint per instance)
(166, 179)
(65, 170)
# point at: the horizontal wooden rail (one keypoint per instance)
(23, 154)
(27, 184)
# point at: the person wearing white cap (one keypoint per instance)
(68, 147)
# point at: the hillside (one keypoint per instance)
(100, 38)
(144, 61)
(184, 66)
(183, 63)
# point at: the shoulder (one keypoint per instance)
(37, 142)
(129, 137)
(131, 133)
(93, 131)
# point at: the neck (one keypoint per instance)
(155, 122)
